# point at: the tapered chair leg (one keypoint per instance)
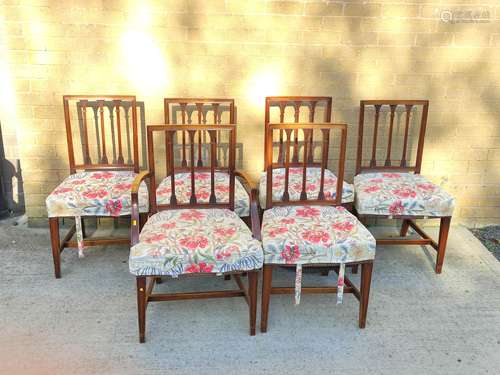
(366, 280)
(253, 280)
(404, 228)
(444, 228)
(56, 245)
(267, 280)
(141, 307)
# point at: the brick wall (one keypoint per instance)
(248, 49)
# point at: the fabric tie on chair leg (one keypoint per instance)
(340, 284)
(79, 236)
(298, 283)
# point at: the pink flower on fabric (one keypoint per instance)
(102, 175)
(308, 212)
(178, 182)
(275, 231)
(371, 189)
(288, 220)
(290, 253)
(340, 281)
(168, 225)
(330, 181)
(155, 252)
(200, 195)
(200, 267)
(391, 175)
(123, 186)
(63, 190)
(311, 187)
(316, 236)
(114, 207)
(427, 187)
(77, 182)
(404, 193)
(345, 226)
(93, 194)
(164, 191)
(279, 177)
(192, 243)
(154, 238)
(376, 180)
(225, 232)
(226, 253)
(396, 208)
(296, 171)
(192, 215)
(222, 188)
(202, 176)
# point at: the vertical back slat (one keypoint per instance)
(312, 110)
(340, 177)
(86, 149)
(213, 160)
(282, 119)
(307, 136)
(119, 132)
(135, 138)
(420, 146)
(373, 161)
(192, 134)
(104, 157)
(152, 178)
(389, 142)
(324, 161)
(199, 107)
(183, 118)
(296, 117)
(232, 162)
(166, 108)
(286, 195)
(173, 198)
(405, 141)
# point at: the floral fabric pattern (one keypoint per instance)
(314, 234)
(97, 193)
(175, 242)
(203, 188)
(312, 185)
(395, 194)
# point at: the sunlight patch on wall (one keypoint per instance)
(264, 82)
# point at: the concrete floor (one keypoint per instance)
(85, 323)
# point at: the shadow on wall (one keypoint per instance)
(11, 184)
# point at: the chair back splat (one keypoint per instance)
(404, 110)
(206, 138)
(299, 137)
(107, 125)
(200, 111)
(305, 109)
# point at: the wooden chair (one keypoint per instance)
(98, 186)
(395, 189)
(194, 237)
(200, 111)
(311, 231)
(305, 109)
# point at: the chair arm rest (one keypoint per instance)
(246, 181)
(254, 214)
(134, 216)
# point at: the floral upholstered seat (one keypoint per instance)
(95, 193)
(175, 242)
(394, 194)
(202, 186)
(314, 234)
(312, 185)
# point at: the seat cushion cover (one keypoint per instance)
(96, 193)
(203, 186)
(295, 185)
(404, 194)
(175, 242)
(314, 234)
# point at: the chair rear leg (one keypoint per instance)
(56, 245)
(444, 228)
(141, 307)
(366, 280)
(253, 280)
(404, 228)
(267, 280)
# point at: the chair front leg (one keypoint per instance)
(366, 280)
(444, 229)
(141, 307)
(253, 280)
(267, 280)
(56, 245)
